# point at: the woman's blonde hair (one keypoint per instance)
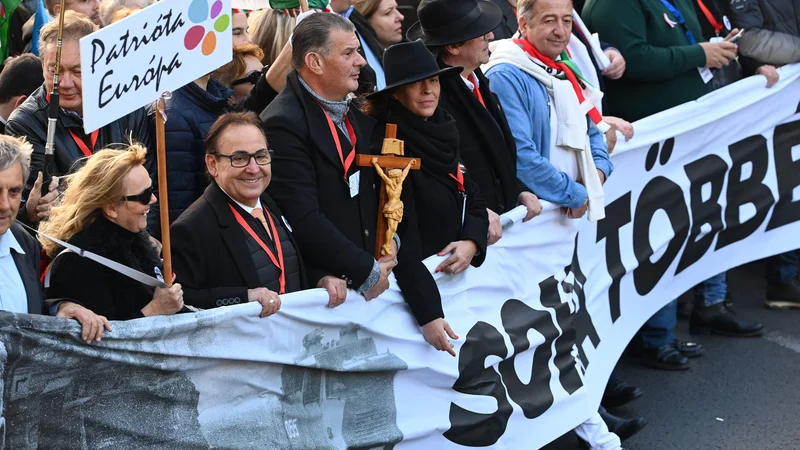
(270, 29)
(367, 7)
(97, 184)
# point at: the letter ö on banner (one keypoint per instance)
(710, 169)
(475, 429)
(740, 192)
(659, 193)
(786, 137)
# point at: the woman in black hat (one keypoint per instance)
(441, 201)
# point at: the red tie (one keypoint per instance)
(475, 89)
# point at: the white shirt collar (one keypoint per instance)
(248, 209)
(469, 83)
(8, 242)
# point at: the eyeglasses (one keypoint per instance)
(251, 77)
(241, 159)
(143, 198)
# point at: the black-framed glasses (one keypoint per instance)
(143, 198)
(251, 77)
(241, 158)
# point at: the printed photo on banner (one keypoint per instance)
(161, 48)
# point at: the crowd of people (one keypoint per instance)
(265, 198)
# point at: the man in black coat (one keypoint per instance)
(485, 141)
(71, 143)
(329, 202)
(20, 289)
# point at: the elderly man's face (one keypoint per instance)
(69, 76)
(11, 184)
(550, 27)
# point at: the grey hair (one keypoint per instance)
(13, 150)
(110, 7)
(525, 8)
(314, 35)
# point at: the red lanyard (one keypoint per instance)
(710, 17)
(346, 163)
(459, 177)
(475, 89)
(82, 145)
(276, 238)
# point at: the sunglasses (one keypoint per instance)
(251, 77)
(143, 198)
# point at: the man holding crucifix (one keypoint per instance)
(329, 201)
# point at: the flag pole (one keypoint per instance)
(52, 111)
(163, 197)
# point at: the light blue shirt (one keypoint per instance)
(13, 297)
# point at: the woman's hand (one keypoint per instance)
(463, 252)
(165, 301)
(92, 325)
(438, 334)
(270, 301)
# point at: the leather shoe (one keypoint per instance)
(689, 349)
(665, 358)
(784, 296)
(719, 319)
(619, 393)
(623, 428)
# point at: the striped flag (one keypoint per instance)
(7, 8)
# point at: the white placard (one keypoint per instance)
(169, 44)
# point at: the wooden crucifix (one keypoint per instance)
(393, 168)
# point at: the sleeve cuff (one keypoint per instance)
(372, 279)
(397, 241)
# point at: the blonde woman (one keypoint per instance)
(104, 211)
(243, 72)
(270, 29)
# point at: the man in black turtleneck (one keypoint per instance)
(330, 203)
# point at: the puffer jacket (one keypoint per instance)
(30, 121)
(190, 113)
(772, 31)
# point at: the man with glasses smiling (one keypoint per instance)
(233, 245)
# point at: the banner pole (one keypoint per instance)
(163, 200)
(52, 110)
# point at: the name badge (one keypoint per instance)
(705, 74)
(354, 182)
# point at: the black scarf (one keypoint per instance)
(435, 140)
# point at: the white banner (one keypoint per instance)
(169, 44)
(704, 188)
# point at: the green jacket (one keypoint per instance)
(661, 63)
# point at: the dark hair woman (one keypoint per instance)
(441, 198)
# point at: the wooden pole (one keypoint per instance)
(303, 5)
(163, 201)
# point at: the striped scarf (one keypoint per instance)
(565, 70)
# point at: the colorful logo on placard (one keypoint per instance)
(199, 13)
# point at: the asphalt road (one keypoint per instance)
(744, 394)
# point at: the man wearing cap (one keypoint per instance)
(458, 33)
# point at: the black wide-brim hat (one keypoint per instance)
(409, 62)
(445, 22)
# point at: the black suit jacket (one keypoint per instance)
(486, 144)
(28, 267)
(209, 249)
(335, 232)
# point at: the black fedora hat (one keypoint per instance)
(445, 22)
(409, 62)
